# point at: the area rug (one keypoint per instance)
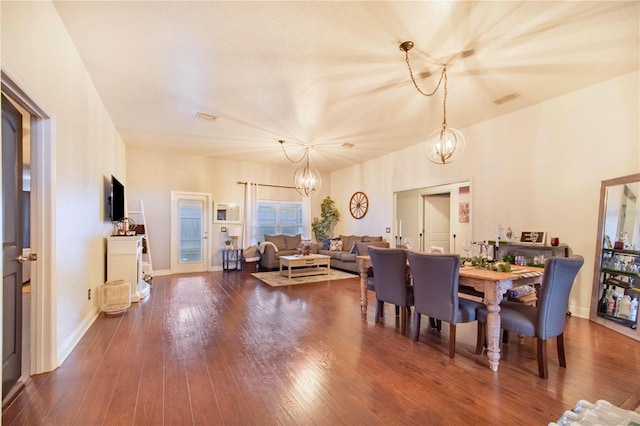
(276, 279)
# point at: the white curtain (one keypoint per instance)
(306, 218)
(250, 214)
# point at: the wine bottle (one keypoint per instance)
(602, 303)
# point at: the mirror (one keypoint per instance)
(621, 218)
(226, 213)
(616, 286)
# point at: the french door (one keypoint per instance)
(189, 232)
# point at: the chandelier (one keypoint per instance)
(445, 144)
(306, 179)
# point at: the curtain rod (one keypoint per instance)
(266, 184)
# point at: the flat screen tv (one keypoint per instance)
(116, 200)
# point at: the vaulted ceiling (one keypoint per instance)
(329, 74)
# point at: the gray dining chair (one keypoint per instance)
(391, 283)
(547, 319)
(435, 288)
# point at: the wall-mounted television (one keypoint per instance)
(116, 200)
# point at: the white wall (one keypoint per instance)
(537, 168)
(152, 175)
(38, 54)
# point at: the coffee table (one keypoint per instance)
(312, 264)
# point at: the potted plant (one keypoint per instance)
(329, 215)
(228, 244)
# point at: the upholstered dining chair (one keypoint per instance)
(391, 285)
(547, 319)
(435, 288)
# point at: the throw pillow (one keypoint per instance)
(291, 241)
(304, 248)
(277, 240)
(336, 245)
(369, 238)
(362, 249)
(326, 244)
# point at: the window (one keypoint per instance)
(278, 217)
(190, 231)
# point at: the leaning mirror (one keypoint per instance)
(226, 213)
(616, 289)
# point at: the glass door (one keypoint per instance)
(189, 232)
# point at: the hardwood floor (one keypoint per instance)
(223, 348)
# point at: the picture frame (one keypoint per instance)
(533, 237)
(463, 212)
(227, 213)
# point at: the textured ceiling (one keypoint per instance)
(326, 73)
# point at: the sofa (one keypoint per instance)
(275, 246)
(344, 249)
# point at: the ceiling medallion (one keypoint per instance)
(359, 205)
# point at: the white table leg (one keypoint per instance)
(492, 298)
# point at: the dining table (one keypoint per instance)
(493, 285)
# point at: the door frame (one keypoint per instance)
(438, 188)
(43, 338)
(175, 195)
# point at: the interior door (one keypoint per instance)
(11, 245)
(437, 221)
(189, 232)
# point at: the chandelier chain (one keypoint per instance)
(304, 154)
(415, 84)
(443, 76)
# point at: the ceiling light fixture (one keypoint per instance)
(306, 179)
(446, 144)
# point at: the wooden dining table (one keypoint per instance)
(492, 284)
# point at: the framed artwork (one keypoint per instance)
(226, 213)
(463, 212)
(533, 237)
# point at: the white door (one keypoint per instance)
(437, 221)
(189, 232)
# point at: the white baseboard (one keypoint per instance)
(579, 312)
(64, 350)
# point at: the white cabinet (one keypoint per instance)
(124, 262)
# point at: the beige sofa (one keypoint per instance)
(275, 246)
(343, 255)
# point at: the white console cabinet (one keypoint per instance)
(124, 262)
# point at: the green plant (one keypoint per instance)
(227, 243)
(329, 215)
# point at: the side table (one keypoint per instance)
(231, 259)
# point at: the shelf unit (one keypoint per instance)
(124, 262)
(231, 259)
(619, 271)
(529, 251)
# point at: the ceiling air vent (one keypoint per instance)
(505, 99)
(205, 116)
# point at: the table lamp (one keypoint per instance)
(234, 232)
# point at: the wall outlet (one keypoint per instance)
(89, 294)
